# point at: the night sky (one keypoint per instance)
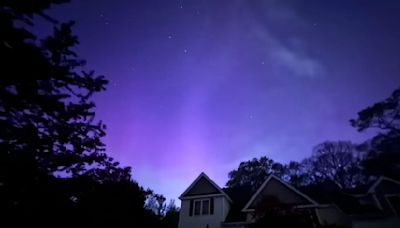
(202, 85)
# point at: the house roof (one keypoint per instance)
(202, 175)
(378, 182)
(328, 193)
(369, 187)
(272, 177)
(348, 200)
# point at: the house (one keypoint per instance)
(378, 204)
(205, 205)
(384, 195)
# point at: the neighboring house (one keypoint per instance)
(384, 194)
(322, 213)
(378, 204)
(205, 205)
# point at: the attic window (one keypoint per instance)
(201, 207)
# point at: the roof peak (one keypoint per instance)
(272, 176)
(202, 174)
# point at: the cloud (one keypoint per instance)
(275, 27)
(295, 62)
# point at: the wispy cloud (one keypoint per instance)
(298, 64)
(276, 43)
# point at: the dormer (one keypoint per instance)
(203, 204)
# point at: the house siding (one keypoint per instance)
(386, 188)
(226, 206)
(333, 216)
(377, 223)
(221, 209)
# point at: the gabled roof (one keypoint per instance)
(261, 188)
(203, 175)
(380, 179)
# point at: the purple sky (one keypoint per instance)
(202, 85)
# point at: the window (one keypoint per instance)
(201, 207)
(197, 207)
(206, 207)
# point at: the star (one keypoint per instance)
(185, 51)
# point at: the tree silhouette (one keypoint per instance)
(46, 110)
(384, 115)
(383, 157)
(171, 218)
(333, 161)
(297, 174)
(383, 153)
(254, 172)
(53, 166)
(336, 161)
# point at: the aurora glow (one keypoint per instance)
(202, 85)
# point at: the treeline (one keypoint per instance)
(334, 169)
(53, 167)
(341, 163)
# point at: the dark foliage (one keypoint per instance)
(53, 167)
(383, 156)
(46, 112)
(254, 172)
(240, 195)
(171, 218)
(384, 115)
(383, 153)
(337, 161)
